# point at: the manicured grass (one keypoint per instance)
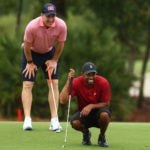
(120, 136)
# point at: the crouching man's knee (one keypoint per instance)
(75, 124)
(104, 117)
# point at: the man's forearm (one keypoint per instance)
(101, 105)
(27, 51)
(58, 51)
(64, 93)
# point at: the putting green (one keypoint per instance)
(120, 136)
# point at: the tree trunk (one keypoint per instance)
(60, 7)
(132, 57)
(20, 4)
(147, 53)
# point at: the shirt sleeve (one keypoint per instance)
(106, 92)
(73, 91)
(63, 33)
(28, 36)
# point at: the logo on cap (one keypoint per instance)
(50, 8)
(91, 66)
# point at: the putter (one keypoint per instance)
(51, 84)
(66, 133)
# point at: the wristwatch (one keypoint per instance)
(29, 61)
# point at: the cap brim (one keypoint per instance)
(90, 71)
(50, 13)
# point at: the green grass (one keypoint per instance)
(121, 136)
(138, 66)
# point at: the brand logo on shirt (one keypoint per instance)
(89, 94)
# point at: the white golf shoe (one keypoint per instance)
(55, 126)
(27, 125)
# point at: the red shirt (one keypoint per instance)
(99, 92)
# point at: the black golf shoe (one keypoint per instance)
(86, 138)
(102, 141)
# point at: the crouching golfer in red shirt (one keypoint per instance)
(93, 99)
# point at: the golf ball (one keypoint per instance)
(63, 146)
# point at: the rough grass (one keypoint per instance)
(121, 136)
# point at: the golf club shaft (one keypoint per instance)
(69, 101)
(51, 85)
(66, 133)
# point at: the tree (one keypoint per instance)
(19, 12)
(10, 76)
(147, 54)
(88, 43)
(128, 18)
(109, 33)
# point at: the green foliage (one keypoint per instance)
(7, 7)
(85, 43)
(7, 25)
(138, 67)
(96, 30)
(10, 77)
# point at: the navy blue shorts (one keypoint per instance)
(92, 120)
(39, 60)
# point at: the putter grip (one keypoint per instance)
(49, 75)
(70, 86)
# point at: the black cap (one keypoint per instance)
(49, 9)
(89, 67)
